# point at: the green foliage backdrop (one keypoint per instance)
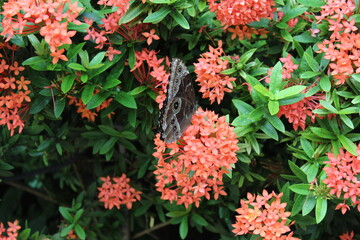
(80, 88)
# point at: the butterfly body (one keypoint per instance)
(179, 104)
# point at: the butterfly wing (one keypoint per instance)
(179, 104)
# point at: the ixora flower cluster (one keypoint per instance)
(116, 191)
(188, 171)
(263, 215)
(343, 47)
(51, 18)
(213, 84)
(10, 233)
(342, 178)
(234, 15)
(14, 92)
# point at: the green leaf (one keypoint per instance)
(276, 78)
(273, 107)
(269, 130)
(309, 205)
(297, 171)
(323, 133)
(313, 64)
(39, 104)
(263, 90)
(76, 66)
(286, 35)
(79, 231)
(111, 83)
(74, 50)
(66, 215)
(108, 145)
(138, 90)
(184, 227)
(312, 3)
(199, 220)
(328, 106)
(97, 99)
(290, 91)
(128, 135)
(320, 210)
(87, 93)
(97, 59)
(276, 122)
(302, 189)
(67, 83)
(307, 147)
(109, 130)
(132, 58)
(180, 19)
(349, 110)
(293, 13)
(78, 215)
(348, 144)
(135, 9)
(126, 99)
(59, 106)
(347, 121)
(309, 74)
(158, 15)
(325, 83)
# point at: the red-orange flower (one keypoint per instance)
(347, 236)
(193, 169)
(50, 18)
(116, 191)
(239, 12)
(150, 36)
(263, 215)
(11, 233)
(342, 178)
(343, 46)
(212, 83)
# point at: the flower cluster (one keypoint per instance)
(239, 13)
(298, 112)
(212, 83)
(235, 12)
(263, 215)
(116, 191)
(347, 236)
(152, 73)
(51, 18)
(195, 167)
(342, 178)
(10, 233)
(87, 113)
(14, 94)
(343, 46)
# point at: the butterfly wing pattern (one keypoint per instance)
(179, 104)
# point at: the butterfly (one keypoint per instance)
(179, 104)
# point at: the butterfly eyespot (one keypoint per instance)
(179, 69)
(174, 128)
(172, 121)
(176, 105)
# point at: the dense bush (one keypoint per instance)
(272, 151)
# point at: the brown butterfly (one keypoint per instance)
(179, 104)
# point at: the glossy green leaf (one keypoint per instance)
(158, 15)
(302, 189)
(76, 66)
(309, 205)
(184, 227)
(87, 93)
(39, 104)
(67, 83)
(289, 92)
(126, 99)
(297, 171)
(135, 9)
(273, 107)
(320, 209)
(59, 106)
(349, 145)
(79, 231)
(97, 99)
(276, 78)
(180, 19)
